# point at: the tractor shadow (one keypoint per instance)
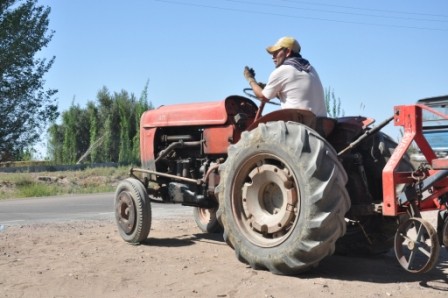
(185, 240)
(381, 269)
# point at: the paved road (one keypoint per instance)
(74, 207)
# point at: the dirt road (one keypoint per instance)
(89, 259)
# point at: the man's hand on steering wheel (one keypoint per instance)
(262, 85)
(250, 93)
(249, 74)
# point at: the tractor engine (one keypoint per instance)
(186, 143)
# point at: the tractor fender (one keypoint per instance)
(323, 125)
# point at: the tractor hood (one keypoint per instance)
(200, 114)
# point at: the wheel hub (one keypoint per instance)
(270, 199)
(125, 212)
(411, 245)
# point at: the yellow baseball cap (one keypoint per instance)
(285, 42)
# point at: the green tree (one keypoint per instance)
(105, 131)
(73, 134)
(104, 106)
(25, 107)
(108, 140)
(141, 107)
(125, 104)
(333, 104)
(113, 131)
(69, 144)
(55, 143)
(94, 130)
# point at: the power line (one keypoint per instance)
(295, 16)
(368, 9)
(335, 12)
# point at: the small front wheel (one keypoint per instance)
(206, 220)
(132, 211)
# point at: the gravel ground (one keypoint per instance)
(89, 259)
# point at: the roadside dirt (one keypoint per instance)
(89, 259)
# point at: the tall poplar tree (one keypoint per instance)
(140, 108)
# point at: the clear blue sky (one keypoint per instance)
(373, 54)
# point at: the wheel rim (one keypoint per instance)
(125, 212)
(416, 245)
(265, 200)
(206, 215)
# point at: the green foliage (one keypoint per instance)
(124, 153)
(36, 190)
(55, 144)
(92, 112)
(25, 107)
(91, 180)
(69, 144)
(141, 107)
(107, 155)
(23, 185)
(333, 104)
(106, 131)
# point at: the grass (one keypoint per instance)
(92, 180)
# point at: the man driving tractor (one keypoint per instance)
(294, 81)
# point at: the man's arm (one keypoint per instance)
(249, 74)
(257, 91)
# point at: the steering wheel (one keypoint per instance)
(249, 92)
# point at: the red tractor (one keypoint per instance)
(288, 189)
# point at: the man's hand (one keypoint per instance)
(249, 74)
(262, 85)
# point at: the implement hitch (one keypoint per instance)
(417, 242)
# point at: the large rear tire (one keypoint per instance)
(132, 211)
(282, 198)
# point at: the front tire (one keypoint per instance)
(132, 211)
(282, 198)
(206, 220)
